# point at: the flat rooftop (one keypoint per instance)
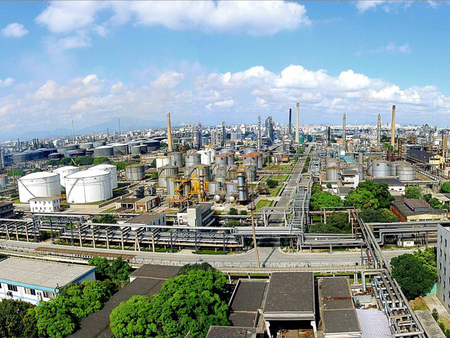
(406, 211)
(156, 271)
(340, 321)
(389, 181)
(231, 332)
(290, 292)
(145, 218)
(43, 274)
(248, 296)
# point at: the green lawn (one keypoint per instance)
(274, 191)
(263, 204)
(280, 177)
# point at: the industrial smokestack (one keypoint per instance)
(393, 128)
(259, 132)
(224, 133)
(329, 136)
(73, 134)
(344, 137)
(169, 133)
(379, 133)
(290, 123)
(120, 131)
(297, 130)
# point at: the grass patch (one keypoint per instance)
(210, 252)
(263, 204)
(418, 304)
(280, 177)
(274, 192)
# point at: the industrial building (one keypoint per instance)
(6, 209)
(144, 204)
(197, 215)
(35, 281)
(443, 265)
(410, 210)
(45, 204)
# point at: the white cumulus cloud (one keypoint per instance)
(6, 82)
(14, 30)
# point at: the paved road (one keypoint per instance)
(272, 256)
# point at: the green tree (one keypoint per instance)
(378, 216)
(324, 199)
(340, 221)
(233, 211)
(413, 192)
(321, 228)
(361, 199)
(445, 187)
(185, 269)
(54, 319)
(243, 212)
(153, 164)
(316, 187)
(271, 183)
(53, 162)
(131, 319)
(232, 223)
(380, 191)
(87, 160)
(116, 270)
(427, 257)
(101, 160)
(36, 170)
(414, 278)
(16, 173)
(105, 218)
(14, 319)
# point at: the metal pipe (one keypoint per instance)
(393, 128)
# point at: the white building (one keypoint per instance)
(34, 281)
(45, 204)
(394, 184)
(350, 178)
(197, 215)
(443, 265)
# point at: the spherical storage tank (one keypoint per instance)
(112, 169)
(406, 173)
(104, 151)
(41, 184)
(63, 172)
(135, 172)
(381, 169)
(88, 186)
(168, 171)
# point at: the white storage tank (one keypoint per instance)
(205, 157)
(168, 171)
(406, 173)
(176, 159)
(332, 174)
(162, 161)
(112, 169)
(135, 172)
(381, 169)
(213, 188)
(41, 184)
(65, 171)
(192, 158)
(88, 186)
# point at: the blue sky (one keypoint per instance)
(212, 61)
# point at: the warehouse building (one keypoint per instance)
(6, 209)
(36, 281)
(409, 210)
(45, 204)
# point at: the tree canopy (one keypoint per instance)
(189, 302)
(370, 195)
(378, 216)
(413, 192)
(105, 218)
(445, 187)
(271, 183)
(415, 278)
(116, 270)
(324, 199)
(337, 222)
(15, 322)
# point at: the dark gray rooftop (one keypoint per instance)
(290, 292)
(156, 271)
(335, 287)
(230, 332)
(389, 181)
(248, 296)
(242, 319)
(336, 321)
(405, 211)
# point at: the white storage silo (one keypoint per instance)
(88, 186)
(162, 161)
(381, 169)
(65, 171)
(112, 169)
(41, 184)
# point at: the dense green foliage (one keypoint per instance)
(445, 187)
(15, 320)
(232, 223)
(271, 183)
(194, 267)
(243, 212)
(324, 199)
(189, 302)
(36, 170)
(414, 277)
(434, 202)
(16, 173)
(427, 257)
(233, 211)
(378, 216)
(369, 195)
(105, 218)
(59, 317)
(116, 270)
(413, 192)
(337, 223)
(122, 165)
(316, 187)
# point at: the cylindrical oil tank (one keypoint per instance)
(21, 157)
(213, 188)
(381, 169)
(168, 171)
(192, 159)
(3, 180)
(138, 150)
(171, 185)
(361, 173)
(260, 161)
(72, 147)
(230, 158)
(97, 144)
(332, 174)
(231, 189)
(104, 151)
(135, 172)
(332, 162)
(251, 173)
(221, 174)
(395, 165)
(205, 157)
(55, 156)
(251, 161)
(152, 145)
(132, 144)
(87, 145)
(232, 172)
(112, 169)
(88, 186)
(61, 150)
(222, 160)
(406, 173)
(198, 170)
(120, 149)
(76, 153)
(63, 172)
(162, 161)
(41, 184)
(176, 159)
(230, 145)
(249, 150)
